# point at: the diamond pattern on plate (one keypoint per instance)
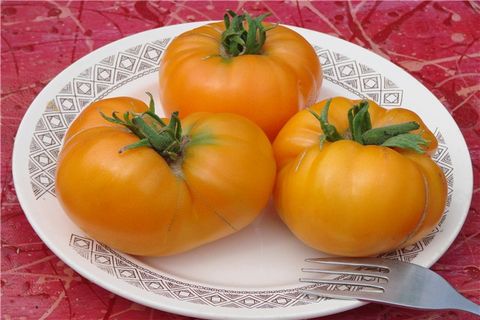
(83, 88)
(67, 104)
(154, 285)
(152, 53)
(124, 273)
(43, 159)
(392, 98)
(46, 139)
(103, 74)
(358, 78)
(43, 179)
(126, 62)
(371, 83)
(54, 121)
(325, 58)
(103, 259)
(347, 70)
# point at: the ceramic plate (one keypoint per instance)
(254, 273)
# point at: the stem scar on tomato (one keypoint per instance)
(360, 130)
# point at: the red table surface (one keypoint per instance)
(437, 42)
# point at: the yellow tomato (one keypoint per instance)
(141, 202)
(90, 117)
(349, 199)
(197, 73)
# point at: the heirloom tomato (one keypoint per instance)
(262, 71)
(356, 179)
(148, 186)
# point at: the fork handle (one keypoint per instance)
(464, 304)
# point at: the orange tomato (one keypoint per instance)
(141, 203)
(349, 199)
(196, 74)
(90, 118)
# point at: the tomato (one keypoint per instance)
(198, 73)
(349, 198)
(90, 116)
(213, 176)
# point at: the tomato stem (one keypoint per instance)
(382, 134)
(166, 139)
(359, 121)
(407, 141)
(361, 131)
(236, 40)
(330, 133)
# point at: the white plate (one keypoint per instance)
(252, 274)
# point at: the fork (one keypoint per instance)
(386, 281)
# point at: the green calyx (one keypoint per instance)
(236, 40)
(166, 139)
(361, 131)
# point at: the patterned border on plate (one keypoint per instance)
(358, 78)
(126, 270)
(90, 85)
(115, 71)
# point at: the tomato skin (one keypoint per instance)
(267, 88)
(352, 200)
(90, 118)
(139, 204)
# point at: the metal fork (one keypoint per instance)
(386, 281)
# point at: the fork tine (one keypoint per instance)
(343, 295)
(359, 283)
(363, 273)
(354, 262)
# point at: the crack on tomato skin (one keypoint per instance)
(177, 205)
(208, 206)
(191, 193)
(299, 162)
(420, 222)
(176, 167)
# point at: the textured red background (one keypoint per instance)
(437, 42)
